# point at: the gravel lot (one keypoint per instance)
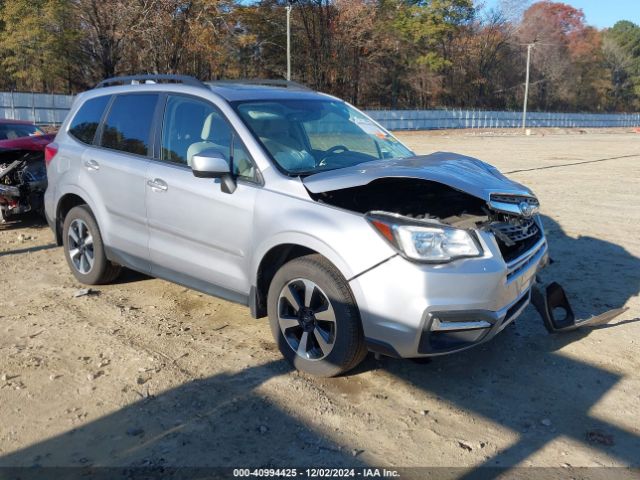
(149, 373)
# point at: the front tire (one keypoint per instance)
(314, 318)
(84, 250)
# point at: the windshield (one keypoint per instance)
(310, 136)
(9, 131)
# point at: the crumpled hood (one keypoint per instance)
(463, 173)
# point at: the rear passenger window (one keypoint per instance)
(84, 125)
(128, 124)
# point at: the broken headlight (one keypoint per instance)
(423, 241)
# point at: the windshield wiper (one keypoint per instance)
(311, 172)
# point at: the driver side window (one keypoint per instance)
(191, 126)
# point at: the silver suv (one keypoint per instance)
(298, 205)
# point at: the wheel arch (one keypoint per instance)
(275, 255)
(73, 196)
(65, 204)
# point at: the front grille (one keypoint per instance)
(514, 199)
(515, 236)
(516, 232)
(524, 265)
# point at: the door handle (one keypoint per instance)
(158, 185)
(92, 165)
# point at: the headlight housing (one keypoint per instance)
(424, 241)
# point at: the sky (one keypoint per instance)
(599, 13)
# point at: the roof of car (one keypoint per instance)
(238, 91)
(230, 90)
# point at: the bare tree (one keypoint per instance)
(109, 28)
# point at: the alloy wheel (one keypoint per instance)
(81, 246)
(307, 319)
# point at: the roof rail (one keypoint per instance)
(268, 82)
(155, 78)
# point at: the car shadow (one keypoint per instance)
(26, 220)
(175, 427)
(20, 251)
(130, 276)
(520, 381)
(597, 275)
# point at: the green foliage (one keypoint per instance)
(627, 35)
(35, 43)
(428, 26)
(621, 47)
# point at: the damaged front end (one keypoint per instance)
(23, 181)
(557, 315)
(424, 203)
(443, 202)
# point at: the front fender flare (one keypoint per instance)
(304, 240)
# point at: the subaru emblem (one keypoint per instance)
(526, 209)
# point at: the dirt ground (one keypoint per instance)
(146, 373)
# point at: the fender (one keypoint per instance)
(98, 210)
(302, 239)
(282, 219)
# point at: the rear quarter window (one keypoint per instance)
(84, 125)
(128, 124)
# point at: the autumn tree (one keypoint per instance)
(485, 64)
(374, 53)
(259, 36)
(109, 31)
(426, 32)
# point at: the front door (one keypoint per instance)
(200, 236)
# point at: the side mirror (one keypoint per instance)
(212, 164)
(209, 164)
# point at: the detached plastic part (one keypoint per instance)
(554, 301)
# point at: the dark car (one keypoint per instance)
(23, 176)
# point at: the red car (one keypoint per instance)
(23, 176)
(22, 135)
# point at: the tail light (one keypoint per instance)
(50, 152)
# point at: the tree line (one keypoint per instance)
(373, 53)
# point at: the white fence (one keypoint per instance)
(438, 119)
(50, 109)
(41, 108)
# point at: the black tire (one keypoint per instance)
(102, 271)
(348, 348)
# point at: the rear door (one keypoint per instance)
(200, 236)
(118, 165)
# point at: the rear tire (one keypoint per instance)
(314, 318)
(84, 250)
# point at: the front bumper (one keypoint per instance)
(413, 310)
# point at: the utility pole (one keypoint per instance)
(526, 88)
(288, 40)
